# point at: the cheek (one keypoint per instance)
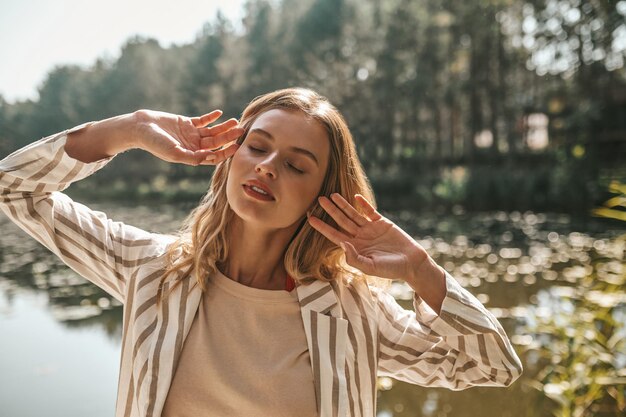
(238, 165)
(235, 161)
(242, 164)
(308, 192)
(233, 178)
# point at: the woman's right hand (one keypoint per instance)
(186, 140)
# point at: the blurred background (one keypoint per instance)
(493, 131)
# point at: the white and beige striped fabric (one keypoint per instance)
(354, 332)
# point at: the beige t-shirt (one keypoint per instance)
(246, 355)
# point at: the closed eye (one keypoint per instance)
(295, 169)
(257, 150)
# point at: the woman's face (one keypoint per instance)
(286, 153)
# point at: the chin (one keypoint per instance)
(267, 220)
(262, 214)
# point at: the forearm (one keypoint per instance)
(428, 280)
(31, 183)
(103, 138)
(462, 345)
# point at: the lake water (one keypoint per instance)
(60, 335)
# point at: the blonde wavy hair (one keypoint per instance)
(202, 241)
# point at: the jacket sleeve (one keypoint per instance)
(461, 347)
(103, 251)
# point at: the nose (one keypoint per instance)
(266, 167)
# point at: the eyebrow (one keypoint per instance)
(292, 148)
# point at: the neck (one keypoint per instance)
(256, 255)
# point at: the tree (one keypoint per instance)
(204, 84)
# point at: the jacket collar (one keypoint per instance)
(318, 296)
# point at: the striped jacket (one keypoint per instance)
(354, 332)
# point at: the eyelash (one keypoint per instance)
(253, 149)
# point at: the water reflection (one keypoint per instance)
(515, 264)
(508, 260)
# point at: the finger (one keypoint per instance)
(221, 139)
(369, 210)
(215, 157)
(217, 129)
(206, 119)
(347, 208)
(327, 231)
(342, 220)
(189, 157)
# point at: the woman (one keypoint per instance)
(212, 323)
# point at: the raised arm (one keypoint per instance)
(170, 137)
(103, 251)
(451, 340)
(462, 346)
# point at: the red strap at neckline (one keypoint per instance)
(290, 284)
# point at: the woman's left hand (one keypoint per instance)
(373, 243)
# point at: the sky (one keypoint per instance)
(37, 35)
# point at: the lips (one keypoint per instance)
(262, 186)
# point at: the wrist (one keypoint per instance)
(428, 281)
(115, 134)
(124, 130)
(425, 269)
(138, 120)
(424, 272)
(418, 257)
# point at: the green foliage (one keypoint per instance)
(582, 30)
(452, 186)
(614, 207)
(202, 83)
(579, 334)
(418, 81)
